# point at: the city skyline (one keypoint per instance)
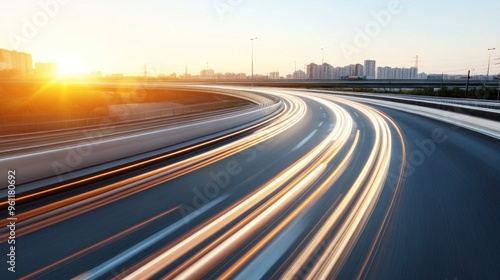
(19, 64)
(121, 37)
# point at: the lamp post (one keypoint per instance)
(323, 55)
(252, 39)
(489, 60)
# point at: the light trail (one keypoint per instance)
(373, 177)
(248, 225)
(297, 112)
(341, 130)
(99, 244)
(392, 206)
(302, 207)
(57, 212)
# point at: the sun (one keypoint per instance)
(70, 65)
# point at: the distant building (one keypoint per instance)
(207, 74)
(413, 73)
(21, 63)
(299, 74)
(274, 75)
(359, 70)
(397, 73)
(369, 69)
(313, 71)
(344, 71)
(45, 69)
(231, 76)
(326, 71)
(385, 73)
(323, 71)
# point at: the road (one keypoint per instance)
(330, 188)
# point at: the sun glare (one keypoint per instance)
(70, 65)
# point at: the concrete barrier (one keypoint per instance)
(468, 110)
(55, 165)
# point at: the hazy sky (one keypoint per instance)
(120, 36)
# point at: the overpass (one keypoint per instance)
(387, 84)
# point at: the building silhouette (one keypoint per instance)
(370, 69)
(20, 63)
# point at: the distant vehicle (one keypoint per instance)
(353, 78)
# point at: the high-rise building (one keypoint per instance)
(299, 74)
(326, 71)
(370, 66)
(359, 70)
(207, 74)
(397, 73)
(413, 73)
(21, 63)
(5, 58)
(313, 71)
(274, 75)
(323, 71)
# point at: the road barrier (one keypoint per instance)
(486, 113)
(56, 165)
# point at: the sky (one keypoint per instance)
(121, 36)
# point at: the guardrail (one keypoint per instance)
(463, 109)
(488, 104)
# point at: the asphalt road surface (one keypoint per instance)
(329, 188)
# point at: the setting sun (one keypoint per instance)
(70, 65)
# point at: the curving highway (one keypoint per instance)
(329, 187)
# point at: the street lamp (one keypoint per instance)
(489, 60)
(252, 39)
(323, 55)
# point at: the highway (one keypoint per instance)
(330, 187)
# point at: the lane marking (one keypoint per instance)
(147, 243)
(305, 140)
